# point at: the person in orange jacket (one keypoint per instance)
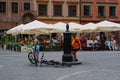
(76, 45)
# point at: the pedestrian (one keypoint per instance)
(76, 45)
(37, 47)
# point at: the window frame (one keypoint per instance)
(3, 8)
(54, 10)
(115, 10)
(104, 14)
(72, 15)
(14, 7)
(45, 11)
(26, 7)
(90, 11)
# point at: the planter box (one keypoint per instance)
(24, 49)
(4, 46)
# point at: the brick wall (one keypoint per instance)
(9, 20)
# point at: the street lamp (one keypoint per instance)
(67, 56)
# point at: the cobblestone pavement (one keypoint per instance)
(99, 65)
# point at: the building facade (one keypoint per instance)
(15, 12)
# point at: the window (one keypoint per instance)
(57, 10)
(112, 11)
(87, 10)
(42, 9)
(72, 11)
(101, 11)
(14, 7)
(2, 7)
(26, 6)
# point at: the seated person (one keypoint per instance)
(54, 40)
(89, 43)
(24, 41)
(83, 42)
(108, 44)
(61, 43)
(114, 44)
(94, 44)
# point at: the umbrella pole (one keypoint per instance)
(50, 38)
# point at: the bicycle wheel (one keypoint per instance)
(31, 57)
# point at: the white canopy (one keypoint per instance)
(107, 26)
(36, 27)
(89, 27)
(15, 30)
(75, 27)
(61, 27)
(35, 24)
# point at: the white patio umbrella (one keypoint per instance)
(37, 27)
(15, 30)
(61, 27)
(75, 27)
(107, 26)
(89, 27)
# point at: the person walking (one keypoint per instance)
(76, 45)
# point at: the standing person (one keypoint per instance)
(37, 47)
(76, 45)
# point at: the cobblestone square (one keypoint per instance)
(97, 65)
